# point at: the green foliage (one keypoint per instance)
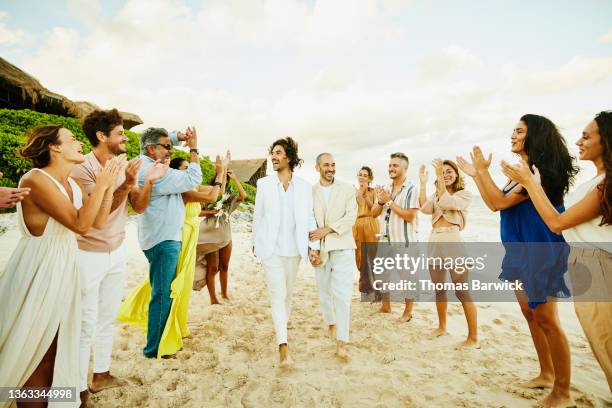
(14, 125)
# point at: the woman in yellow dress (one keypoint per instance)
(365, 228)
(134, 309)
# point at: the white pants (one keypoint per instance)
(335, 288)
(280, 277)
(102, 278)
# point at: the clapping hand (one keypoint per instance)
(157, 170)
(382, 195)
(520, 172)
(107, 176)
(423, 174)
(192, 137)
(218, 165)
(131, 171)
(466, 167)
(478, 159)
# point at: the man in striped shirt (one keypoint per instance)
(398, 207)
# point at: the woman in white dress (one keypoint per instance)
(39, 289)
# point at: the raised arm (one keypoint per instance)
(122, 192)
(56, 205)
(494, 197)
(140, 197)
(241, 193)
(584, 210)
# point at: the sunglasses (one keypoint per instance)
(165, 146)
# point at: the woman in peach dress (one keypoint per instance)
(365, 229)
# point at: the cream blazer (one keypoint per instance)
(339, 215)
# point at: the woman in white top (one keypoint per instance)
(39, 289)
(586, 225)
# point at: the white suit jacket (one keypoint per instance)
(266, 218)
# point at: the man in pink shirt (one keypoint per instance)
(102, 257)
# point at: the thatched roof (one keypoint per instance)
(245, 170)
(19, 90)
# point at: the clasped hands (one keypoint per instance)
(314, 256)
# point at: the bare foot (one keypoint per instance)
(214, 302)
(405, 318)
(103, 381)
(225, 297)
(285, 360)
(558, 399)
(331, 331)
(538, 382)
(384, 309)
(438, 332)
(341, 352)
(85, 402)
(469, 343)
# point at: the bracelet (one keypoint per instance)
(217, 183)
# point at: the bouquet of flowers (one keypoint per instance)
(222, 205)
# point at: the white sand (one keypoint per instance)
(232, 360)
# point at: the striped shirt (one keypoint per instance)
(392, 225)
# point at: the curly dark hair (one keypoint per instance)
(291, 150)
(604, 124)
(546, 149)
(100, 120)
(36, 148)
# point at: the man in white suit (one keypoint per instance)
(282, 219)
(335, 209)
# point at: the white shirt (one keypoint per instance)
(588, 234)
(286, 245)
(327, 193)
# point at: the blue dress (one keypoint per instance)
(540, 266)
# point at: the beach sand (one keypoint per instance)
(232, 359)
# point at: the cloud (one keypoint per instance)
(606, 38)
(9, 36)
(450, 61)
(246, 73)
(579, 72)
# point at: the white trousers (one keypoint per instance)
(102, 279)
(335, 288)
(281, 272)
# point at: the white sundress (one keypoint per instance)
(39, 295)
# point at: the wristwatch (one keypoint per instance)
(388, 204)
(194, 150)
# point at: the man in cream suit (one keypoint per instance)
(282, 219)
(335, 209)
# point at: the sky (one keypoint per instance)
(360, 79)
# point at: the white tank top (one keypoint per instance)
(588, 234)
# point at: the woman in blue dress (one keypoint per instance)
(541, 265)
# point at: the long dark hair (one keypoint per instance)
(546, 149)
(604, 123)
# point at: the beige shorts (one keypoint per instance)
(445, 242)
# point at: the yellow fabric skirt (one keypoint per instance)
(135, 309)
